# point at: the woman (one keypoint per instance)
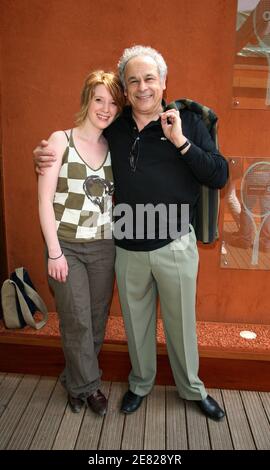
(75, 201)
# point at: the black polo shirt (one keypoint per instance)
(162, 175)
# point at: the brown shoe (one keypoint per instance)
(75, 404)
(98, 403)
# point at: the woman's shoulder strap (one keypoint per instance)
(68, 134)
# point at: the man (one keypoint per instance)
(160, 157)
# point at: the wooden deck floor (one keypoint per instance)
(34, 415)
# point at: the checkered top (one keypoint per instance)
(83, 198)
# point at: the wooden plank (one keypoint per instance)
(243, 102)
(197, 431)
(28, 396)
(91, 427)
(265, 398)
(30, 359)
(111, 435)
(24, 432)
(176, 433)
(155, 421)
(12, 414)
(8, 385)
(136, 421)
(30, 339)
(220, 368)
(238, 423)
(235, 374)
(49, 425)
(2, 376)
(251, 67)
(250, 81)
(219, 432)
(68, 431)
(258, 421)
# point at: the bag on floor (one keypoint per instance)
(20, 302)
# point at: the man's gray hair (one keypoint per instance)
(136, 51)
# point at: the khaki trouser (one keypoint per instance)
(170, 271)
(83, 303)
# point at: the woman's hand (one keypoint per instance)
(58, 268)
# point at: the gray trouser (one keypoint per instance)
(83, 303)
(171, 272)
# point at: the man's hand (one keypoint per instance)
(172, 127)
(44, 156)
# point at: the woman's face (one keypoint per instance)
(102, 108)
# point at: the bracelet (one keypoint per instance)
(184, 146)
(57, 257)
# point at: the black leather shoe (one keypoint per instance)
(131, 402)
(75, 404)
(211, 408)
(98, 403)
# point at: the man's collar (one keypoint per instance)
(127, 111)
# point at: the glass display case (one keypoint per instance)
(246, 223)
(251, 77)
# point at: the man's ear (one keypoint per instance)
(126, 95)
(163, 84)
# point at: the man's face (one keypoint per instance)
(144, 88)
